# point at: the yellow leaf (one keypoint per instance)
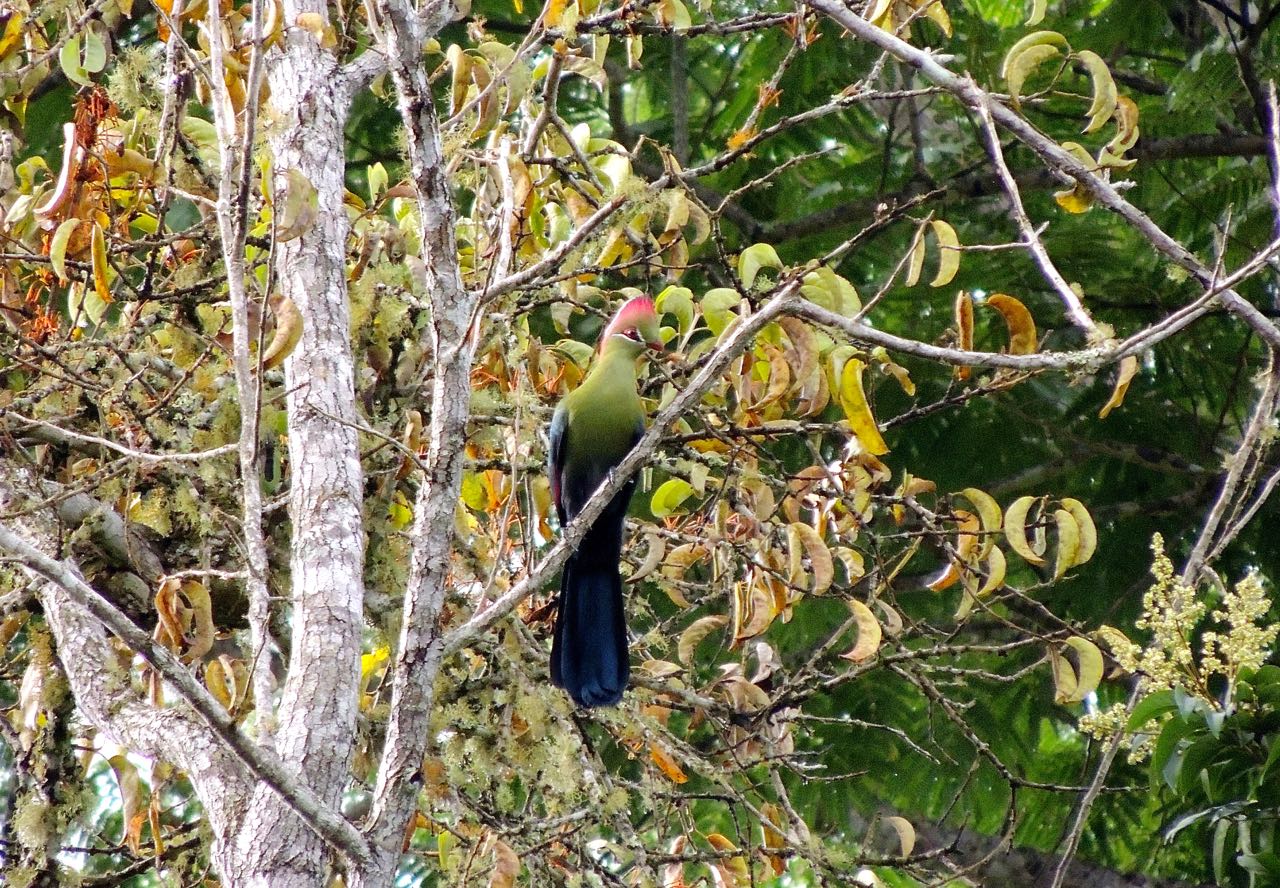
(1015, 528)
(668, 497)
(1104, 90)
(856, 410)
(948, 253)
(869, 634)
(772, 837)
(12, 33)
(288, 332)
(58, 248)
(731, 872)
(916, 263)
(668, 765)
(693, 635)
(1088, 531)
(937, 13)
(996, 568)
(1068, 542)
(1126, 117)
(1077, 670)
(1022, 328)
(989, 512)
(1036, 38)
(802, 537)
(215, 679)
(1074, 200)
(318, 27)
(1024, 64)
(966, 542)
(1038, 8)
(101, 270)
(1128, 367)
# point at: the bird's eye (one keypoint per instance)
(632, 333)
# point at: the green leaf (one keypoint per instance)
(58, 248)
(70, 62)
(753, 259)
(716, 305)
(1150, 707)
(679, 302)
(377, 176)
(668, 497)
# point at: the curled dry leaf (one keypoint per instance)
(990, 515)
(288, 332)
(1015, 528)
(1077, 670)
(906, 833)
(802, 540)
(948, 253)
(964, 329)
(1088, 531)
(1022, 328)
(857, 411)
(1128, 369)
(667, 764)
(915, 265)
(506, 866)
(967, 538)
(869, 634)
(1068, 542)
(1104, 90)
(693, 635)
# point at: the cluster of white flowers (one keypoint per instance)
(1246, 643)
(1171, 612)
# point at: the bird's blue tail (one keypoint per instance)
(589, 651)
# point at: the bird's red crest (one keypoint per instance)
(633, 311)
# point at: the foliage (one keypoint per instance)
(866, 565)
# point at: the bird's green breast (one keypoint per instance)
(604, 411)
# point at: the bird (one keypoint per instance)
(592, 429)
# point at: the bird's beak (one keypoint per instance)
(656, 346)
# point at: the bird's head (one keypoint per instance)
(634, 328)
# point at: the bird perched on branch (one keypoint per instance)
(593, 428)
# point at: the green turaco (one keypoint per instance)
(593, 428)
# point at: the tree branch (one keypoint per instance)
(259, 762)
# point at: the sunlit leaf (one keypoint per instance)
(1015, 529)
(1022, 328)
(668, 497)
(1088, 531)
(857, 411)
(948, 253)
(1068, 542)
